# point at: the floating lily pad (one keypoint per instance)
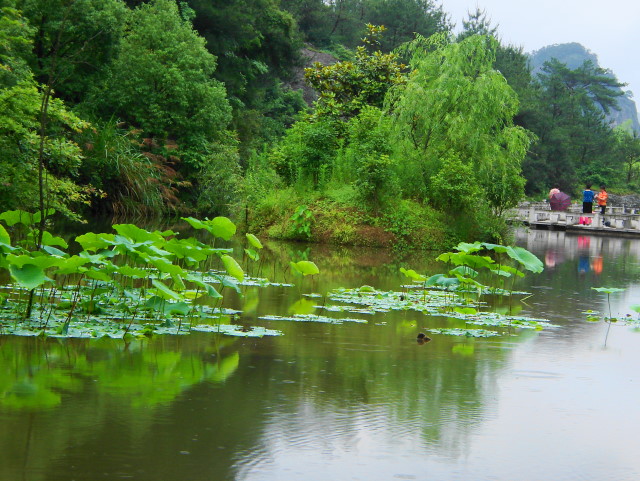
(430, 302)
(355, 310)
(312, 318)
(247, 281)
(465, 332)
(238, 331)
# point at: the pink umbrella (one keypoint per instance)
(560, 201)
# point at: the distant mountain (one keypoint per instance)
(573, 56)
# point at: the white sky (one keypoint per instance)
(610, 29)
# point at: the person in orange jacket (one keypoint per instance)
(602, 199)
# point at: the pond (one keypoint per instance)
(348, 401)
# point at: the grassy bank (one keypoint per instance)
(335, 218)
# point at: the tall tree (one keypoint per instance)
(162, 79)
(477, 23)
(456, 112)
(69, 35)
(510, 61)
(404, 18)
(313, 18)
(257, 45)
(73, 41)
(568, 116)
(344, 88)
(163, 82)
(344, 21)
(16, 40)
(28, 156)
(250, 38)
(627, 152)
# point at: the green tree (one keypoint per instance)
(38, 156)
(404, 18)
(510, 61)
(327, 24)
(253, 39)
(568, 116)
(627, 151)
(307, 151)
(15, 46)
(366, 154)
(163, 82)
(257, 44)
(313, 18)
(477, 23)
(456, 108)
(310, 148)
(344, 88)
(73, 41)
(453, 187)
(162, 79)
(22, 146)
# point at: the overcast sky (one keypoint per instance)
(610, 29)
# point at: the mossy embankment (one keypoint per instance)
(325, 218)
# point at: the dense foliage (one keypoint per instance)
(416, 136)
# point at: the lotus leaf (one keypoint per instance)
(411, 274)
(93, 242)
(232, 267)
(28, 276)
(163, 291)
(137, 234)
(607, 290)
(254, 241)
(528, 260)
(253, 255)
(221, 227)
(4, 236)
(306, 268)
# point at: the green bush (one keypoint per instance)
(114, 164)
(453, 188)
(367, 152)
(306, 152)
(415, 225)
(301, 222)
(220, 183)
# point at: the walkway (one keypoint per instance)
(616, 220)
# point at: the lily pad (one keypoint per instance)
(312, 318)
(465, 332)
(237, 331)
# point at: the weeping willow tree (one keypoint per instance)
(453, 125)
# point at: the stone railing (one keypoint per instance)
(615, 217)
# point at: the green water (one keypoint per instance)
(356, 401)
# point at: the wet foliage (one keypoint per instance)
(628, 320)
(433, 302)
(138, 283)
(126, 284)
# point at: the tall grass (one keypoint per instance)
(129, 180)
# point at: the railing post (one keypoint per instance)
(532, 214)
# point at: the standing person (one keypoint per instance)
(602, 199)
(587, 199)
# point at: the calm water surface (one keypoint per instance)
(344, 402)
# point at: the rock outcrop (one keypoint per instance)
(309, 57)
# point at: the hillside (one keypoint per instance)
(573, 55)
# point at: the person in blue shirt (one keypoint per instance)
(587, 199)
